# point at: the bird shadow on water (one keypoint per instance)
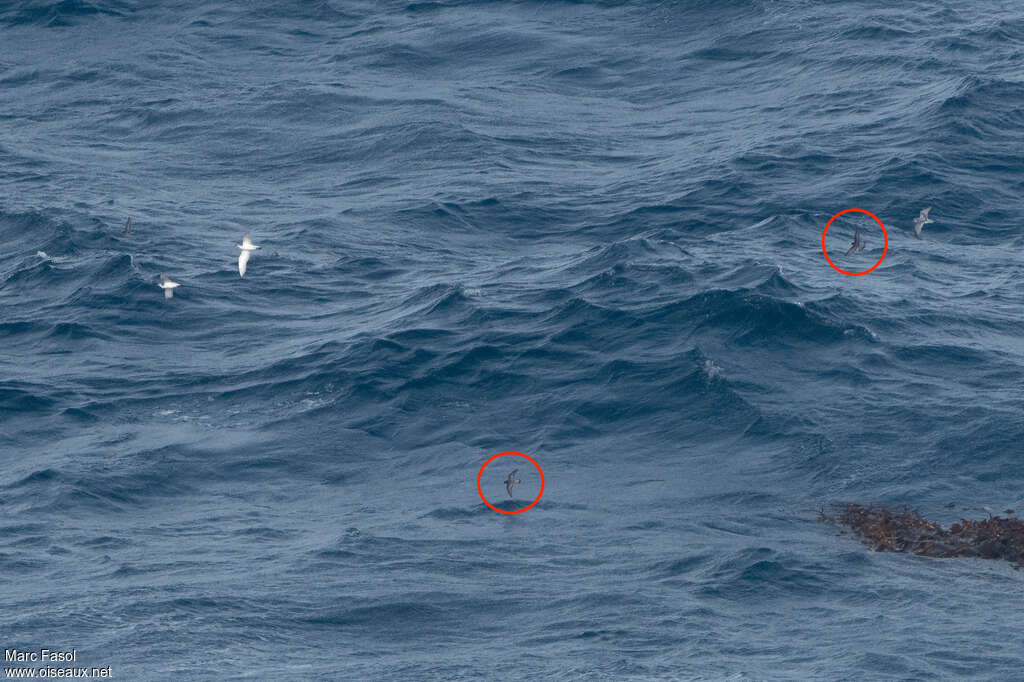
(473, 513)
(511, 505)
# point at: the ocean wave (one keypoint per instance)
(57, 13)
(585, 231)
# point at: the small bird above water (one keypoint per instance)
(127, 226)
(167, 285)
(247, 248)
(511, 481)
(857, 245)
(922, 220)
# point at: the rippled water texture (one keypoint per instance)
(590, 232)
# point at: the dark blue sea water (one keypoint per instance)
(589, 232)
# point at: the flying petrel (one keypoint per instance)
(167, 285)
(922, 220)
(247, 248)
(511, 481)
(857, 245)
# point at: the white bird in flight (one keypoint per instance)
(922, 220)
(511, 481)
(247, 248)
(167, 285)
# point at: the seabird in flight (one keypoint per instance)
(922, 220)
(167, 285)
(247, 248)
(857, 245)
(511, 481)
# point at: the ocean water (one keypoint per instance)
(587, 232)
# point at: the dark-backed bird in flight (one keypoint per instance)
(857, 245)
(511, 481)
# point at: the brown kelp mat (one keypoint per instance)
(905, 530)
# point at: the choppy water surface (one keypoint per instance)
(588, 232)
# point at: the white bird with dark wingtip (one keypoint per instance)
(857, 245)
(167, 285)
(922, 220)
(511, 481)
(247, 248)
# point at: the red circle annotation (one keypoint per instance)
(503, 454)
(885, 247)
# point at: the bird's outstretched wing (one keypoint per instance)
(921, 220)
(857, 244)
(243, 259)
(511, 481)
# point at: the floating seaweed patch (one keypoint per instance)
(905, 530)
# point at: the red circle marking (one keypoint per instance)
(502, 454)
(885, 247)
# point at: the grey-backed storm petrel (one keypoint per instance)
(922, 220)
(511, 481)
(857, 245)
